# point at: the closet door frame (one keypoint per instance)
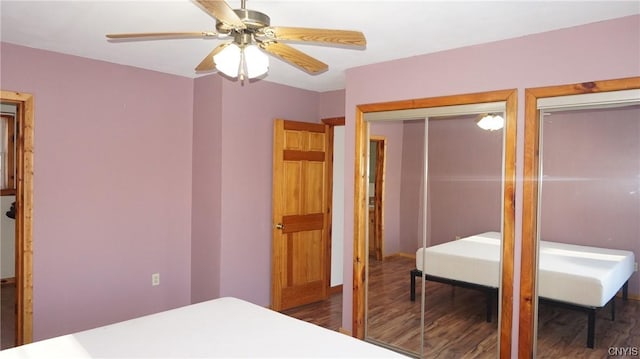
(361, 201)
(529, 253)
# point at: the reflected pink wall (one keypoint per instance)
(412, 191)
(465, 171)
(591, 183)
(112, 188)
(598, 51)
(465, 179)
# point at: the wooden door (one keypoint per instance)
(300, 240)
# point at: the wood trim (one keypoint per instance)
(334, 121)
(465, 99)
(331, 123)
(24, 213)
(294, 155)
(11, 155)
(329, 202)
(360, 200)
(360, 208)
(8, 192)
(7, 281)
(508, 226)
(529, 253)
(401, 254)
(277, 259)
(303, 126)
(305, 222)
(335, 289)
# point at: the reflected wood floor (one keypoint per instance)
(7, 316)
(455, 325)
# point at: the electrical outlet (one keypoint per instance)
(155, 279)
(635, 266)
(457, 237)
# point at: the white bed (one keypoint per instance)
(225, 327)
(577, 275)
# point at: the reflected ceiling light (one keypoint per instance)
(243, 61)
(491, 122)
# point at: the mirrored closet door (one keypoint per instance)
(589, 233)
(435, 290)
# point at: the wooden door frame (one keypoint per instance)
(529, 254)
(381, 163)
(361, 206)
(332, 122)
(24, 213)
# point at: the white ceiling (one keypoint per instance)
(394, 29)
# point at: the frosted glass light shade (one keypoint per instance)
(257, 61)
(249, 61)
(228, 60)
(491, 122)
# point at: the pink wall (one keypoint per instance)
(590, 190)
(207, 188)
(171, 175)
(583, 53)
(112, 196)
(247, 148)
(331, 104)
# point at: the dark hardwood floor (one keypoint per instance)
(455, 325)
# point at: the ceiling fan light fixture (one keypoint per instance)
(228, 60)
(491, 122)
(244, 61)
(257, 62)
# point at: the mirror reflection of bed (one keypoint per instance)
(589, 196)
(463, 198)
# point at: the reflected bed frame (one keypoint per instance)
(473, 263)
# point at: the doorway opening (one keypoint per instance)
(23, 213)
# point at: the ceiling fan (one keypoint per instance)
(251, 32)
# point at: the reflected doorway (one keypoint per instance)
(377, 149)
(8, 125)
(23, 213)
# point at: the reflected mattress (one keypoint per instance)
(583, 275)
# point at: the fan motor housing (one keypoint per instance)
(254, 20)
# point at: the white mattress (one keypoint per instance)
(225, 327)
(474, 259)
(582, 275)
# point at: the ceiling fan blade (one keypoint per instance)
(207, 63)
(168, 35)
(295, 57)
(223, 12)
(327, 36)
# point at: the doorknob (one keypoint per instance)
(279, 226)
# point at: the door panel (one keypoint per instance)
(300, 240)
